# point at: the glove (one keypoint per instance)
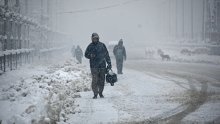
(109, 67)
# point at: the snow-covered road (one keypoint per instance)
(203, 92)
(150, 95)
(135, 97)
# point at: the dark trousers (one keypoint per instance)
(119, 63)
(98, 80)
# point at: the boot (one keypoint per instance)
(101, 95)
(95, 97)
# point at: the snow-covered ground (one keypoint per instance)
(38, 94)
(135, 97)
(147, 92)
(141, 98)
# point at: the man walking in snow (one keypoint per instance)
(98, 55)
(120, 55)
(79, 54)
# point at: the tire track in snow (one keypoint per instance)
(196, 99)
(132, 100)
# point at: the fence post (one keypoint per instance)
(5, 38)
(1, 62)
(4, 63)
(11, 61)
(16, 61)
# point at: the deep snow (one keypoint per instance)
(45, 95)
(62, 94)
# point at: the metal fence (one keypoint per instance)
(21, 37)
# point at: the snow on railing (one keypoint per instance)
(18, 51)
(51, 49)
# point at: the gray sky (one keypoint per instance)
(136, 21)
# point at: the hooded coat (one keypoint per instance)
(98, 55)
(119, 51)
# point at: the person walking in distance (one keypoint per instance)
(78, 54)
(120, 55)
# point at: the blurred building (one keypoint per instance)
(213, 21)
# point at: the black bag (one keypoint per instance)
(111, 77)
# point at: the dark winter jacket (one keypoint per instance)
(98, 55)
(119, 52)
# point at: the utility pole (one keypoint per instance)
(56, 23)
(169, 18)
(5, 39)
(203, 20)
(208, 20)
(218, 20)
(183, 19)
(47, 32)
(41, 31)
(56, 14)
(192, 19)
(26, 7)
(48, 22)
(41, 23)
(176, 19)
(27, 31)
(19, 32)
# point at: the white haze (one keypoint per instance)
(138, 22)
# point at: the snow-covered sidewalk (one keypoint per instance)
(62, 94)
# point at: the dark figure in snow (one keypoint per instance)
(120, 55)
(165, 57)
(73, 51)
(78, 54)
(98, 55)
